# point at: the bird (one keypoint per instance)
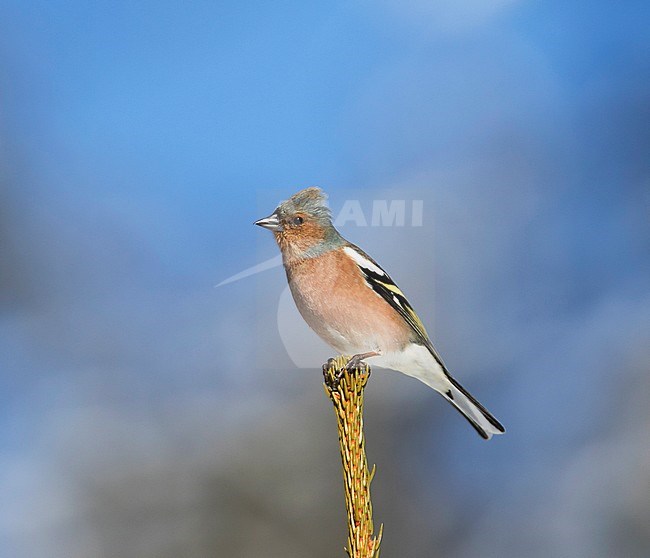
(354, 305)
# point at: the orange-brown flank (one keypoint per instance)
(361, 322)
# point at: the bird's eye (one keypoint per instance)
(297, 220)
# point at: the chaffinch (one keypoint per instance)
(355, 307)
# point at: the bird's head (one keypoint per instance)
(302, 225)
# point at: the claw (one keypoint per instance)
(354, 363)
(326, 367)
(357, 360)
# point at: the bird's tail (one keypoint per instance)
(477, 415)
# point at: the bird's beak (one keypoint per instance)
(271, 222)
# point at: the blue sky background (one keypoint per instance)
(146, 413)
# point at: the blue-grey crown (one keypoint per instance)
(312, 201)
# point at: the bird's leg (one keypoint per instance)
(355, 361)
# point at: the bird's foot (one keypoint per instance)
(326, 367)
(355, 362)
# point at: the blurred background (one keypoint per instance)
(145, 413)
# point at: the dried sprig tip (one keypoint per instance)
(345, 389)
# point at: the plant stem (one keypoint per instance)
(345, 389)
